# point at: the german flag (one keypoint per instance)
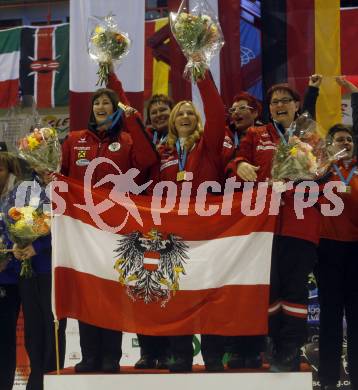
(302, 37)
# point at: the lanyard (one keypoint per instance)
(339, 173)
(155, 138)
(181, 156)
(114, 118)
(289, 133)
(236, 140)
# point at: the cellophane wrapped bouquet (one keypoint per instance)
(106, 44)
(199, 36)
(41, 149)
(24, 225)
(304, 155)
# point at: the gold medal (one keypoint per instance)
(181, 176)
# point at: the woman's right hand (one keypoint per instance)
(342, 82)
(17, 252)
(247, 171)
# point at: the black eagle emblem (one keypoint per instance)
(150, 265)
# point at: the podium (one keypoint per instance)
(130, 379)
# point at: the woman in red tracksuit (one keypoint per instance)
(154, 350)
(194, 150)
(337, 268)
(121, 138)
(294, 244)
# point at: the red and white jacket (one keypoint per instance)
(343, 227)
(204, 160)
(130, 148)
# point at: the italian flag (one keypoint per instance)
(189, 274)
(10, 41)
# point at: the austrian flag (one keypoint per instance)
(190, 274)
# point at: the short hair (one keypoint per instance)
(282, 87)
(337, 128)
(158, 98)
(252, 101)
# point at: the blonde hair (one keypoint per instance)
(173, 133)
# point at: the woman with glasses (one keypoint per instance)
(294, 244)
(337, 267)
(244, 113)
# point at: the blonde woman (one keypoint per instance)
(192, 152)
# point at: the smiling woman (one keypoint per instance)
(118, 135)
(192, 153)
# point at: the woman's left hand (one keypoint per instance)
(129, 111)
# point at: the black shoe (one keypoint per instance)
(87, 365)
(181, 365)
(163, 363)
(254, 361)
(146, 362)
(214, 365)
(236, 361)
(287, 360)
(110, 365)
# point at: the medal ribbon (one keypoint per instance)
(181, 156)
(339, 173)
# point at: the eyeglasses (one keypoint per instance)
(243, 108)
(343, 139)
(276, 102)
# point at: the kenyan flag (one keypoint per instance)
(44, 64)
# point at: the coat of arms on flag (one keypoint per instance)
(150, 265)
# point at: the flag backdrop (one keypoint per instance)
(83, 78)
(221, 285)
(35, 60)
(156, 71)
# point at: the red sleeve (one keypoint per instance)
(144, 154)
(246, 147)
(115, 84)
(244, 153)
(214, 109)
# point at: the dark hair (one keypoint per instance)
(158, 98)
(11, 163)
(337, 128)
(251, 100)
(113, 97)
(282, 87)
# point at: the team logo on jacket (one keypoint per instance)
(150, 265)
(81, 162)
(114, 146)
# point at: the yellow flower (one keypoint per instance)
(98, 29)
(294, 151)
(33, 143)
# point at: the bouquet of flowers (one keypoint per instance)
(25, 225)
(41, 149)
(199, 35)
(106, 44)
(303, 155)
